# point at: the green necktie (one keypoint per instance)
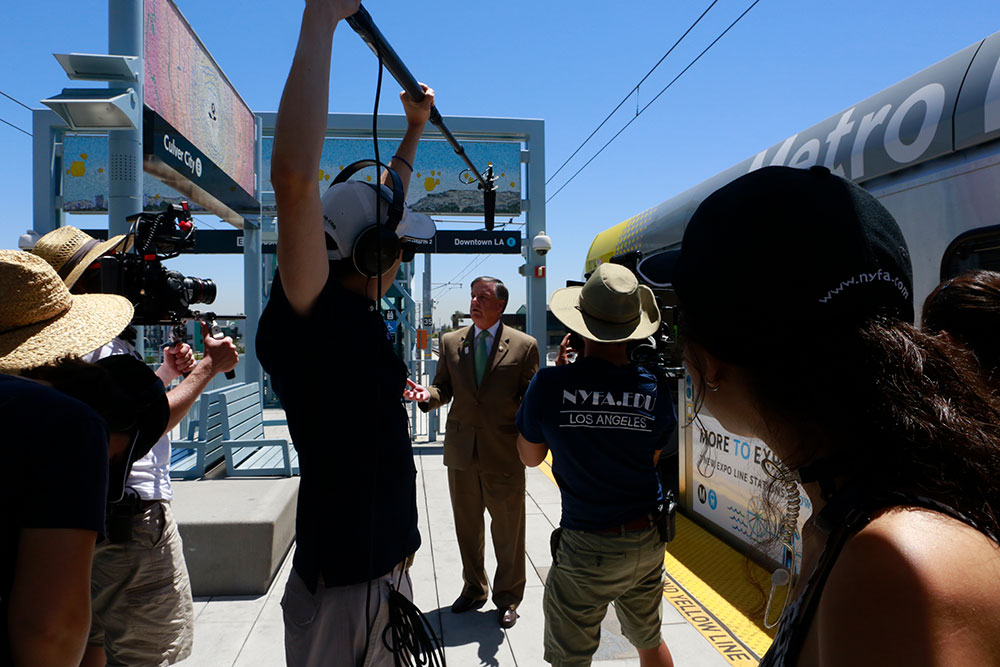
(482, 354)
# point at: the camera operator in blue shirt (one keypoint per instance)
(606, 421)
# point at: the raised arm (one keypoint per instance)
(417, 114)
(298, 143)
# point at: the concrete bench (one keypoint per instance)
(246, 450)
(236, 532)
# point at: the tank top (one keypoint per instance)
(847, 513)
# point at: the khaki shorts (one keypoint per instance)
(591, 571)
(328, 627)
(141, 594)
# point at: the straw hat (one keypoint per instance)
(70, 251)
(612, 307)
(41, 322)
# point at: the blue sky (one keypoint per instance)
(784, 67)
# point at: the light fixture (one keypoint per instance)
(99, 67)
(96, 108)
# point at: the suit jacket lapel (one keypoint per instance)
(500, 347)
(467, 357)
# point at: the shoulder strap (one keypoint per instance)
(844, 515)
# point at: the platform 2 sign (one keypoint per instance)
(475, 243)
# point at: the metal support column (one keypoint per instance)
(125, 37)
(432, 416)
(253, 287)
(46, 170)
(535, 292)
(253, 280)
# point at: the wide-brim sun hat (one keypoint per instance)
(611, 307)
(349, 209)
(70, 251)
(41, 322)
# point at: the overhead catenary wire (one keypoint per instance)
(473, 268)
(15, 127)
(633, 90)
(454, 279)
(14, 99)
(657, 96)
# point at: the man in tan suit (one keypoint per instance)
(486, 367)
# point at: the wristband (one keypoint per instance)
(396, 157)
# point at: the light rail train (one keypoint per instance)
(929, 149)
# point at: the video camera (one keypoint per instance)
(159, 296)
(660, 353)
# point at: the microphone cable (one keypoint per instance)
(782, 577)
(408, 635)
(369, 621)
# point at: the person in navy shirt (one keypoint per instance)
(605, 420)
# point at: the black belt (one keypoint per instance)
(642, 523)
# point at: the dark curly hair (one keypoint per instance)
(967, 307)
(903, 410)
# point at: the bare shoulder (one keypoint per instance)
(936, 547)
(913, 587)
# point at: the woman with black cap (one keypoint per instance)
(796, 309)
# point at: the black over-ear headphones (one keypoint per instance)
(377, 239)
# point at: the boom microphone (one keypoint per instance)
(362, 23)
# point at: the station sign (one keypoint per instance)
(474, 243)
(208, 241)
(199, 135)
(230, 241)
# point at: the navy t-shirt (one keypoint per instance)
(341, 385)
(603, 424)
(56, 461)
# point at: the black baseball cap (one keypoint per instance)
(781, 253)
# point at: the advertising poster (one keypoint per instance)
(441, 183)
(85, 179)
(185, 87)
(729, 481)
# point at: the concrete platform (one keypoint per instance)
(236, 532)
(247, 631)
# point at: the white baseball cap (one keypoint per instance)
(349, 208)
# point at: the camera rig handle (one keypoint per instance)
(178, 335)
(216, 332)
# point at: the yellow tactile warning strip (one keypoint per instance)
(709, 583)
(719, 578)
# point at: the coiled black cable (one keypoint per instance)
(409, 636)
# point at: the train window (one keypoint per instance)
(976, 249)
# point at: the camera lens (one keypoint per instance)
(199, 290)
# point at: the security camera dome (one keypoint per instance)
(541, 243)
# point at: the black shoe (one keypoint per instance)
(508, 616)
(463, 604)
